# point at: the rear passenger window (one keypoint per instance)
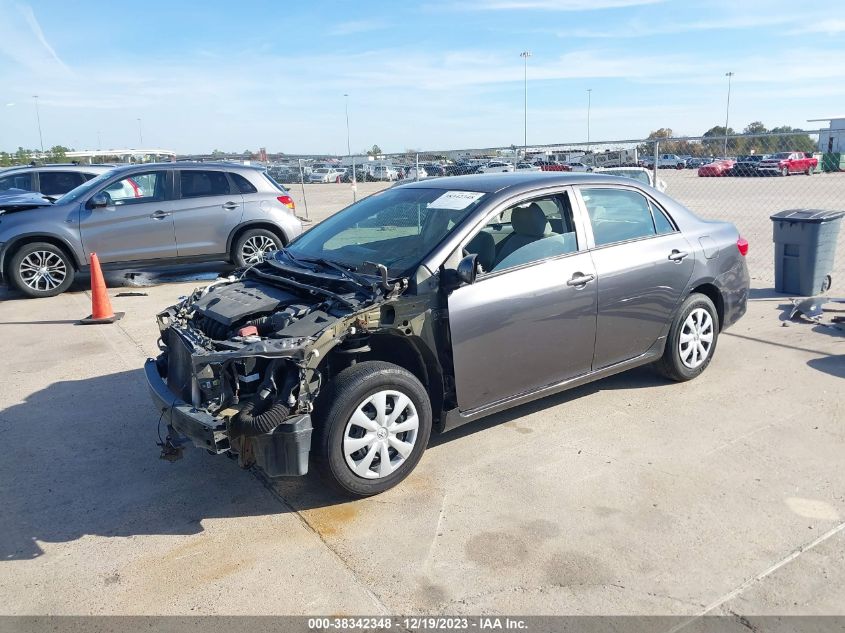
(57, 183)
(618, 215)
(197, 184)
(661, 222)
(243, 185)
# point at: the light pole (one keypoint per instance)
(140, 134)
(525, 55)
(38, 118)
(727, 111)
(349, 149)
(589, 99)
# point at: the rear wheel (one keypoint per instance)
(41, 269)
(372, 426)
(692, 339)
(251, 247)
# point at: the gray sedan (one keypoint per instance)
(434, 303)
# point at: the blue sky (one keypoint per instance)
(435, 75)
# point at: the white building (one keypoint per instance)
(832, 139)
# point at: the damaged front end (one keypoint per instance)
(238, 372)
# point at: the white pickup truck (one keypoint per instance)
(671, 161)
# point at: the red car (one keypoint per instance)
(717, 168)
(551, 165)
(785, 163)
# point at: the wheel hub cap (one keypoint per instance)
(381, 434)
(43, 270)
(696, 338)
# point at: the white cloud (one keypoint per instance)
(353, 27)
(23, 41)
(555, 5)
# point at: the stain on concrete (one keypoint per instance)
(331, 520)
(567, 568)
(497, 549)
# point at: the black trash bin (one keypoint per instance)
(805, 245)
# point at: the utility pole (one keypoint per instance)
(727, 112)
(349, 150)
(525, 55)
(589, 99)
(140, 134)
(38, 118)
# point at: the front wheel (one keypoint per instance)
(41, 269)
(372, 425)
(251, 247)
(692, 339)
(784, 171)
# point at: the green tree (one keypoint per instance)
(216, 153)
(57, 154)
(374, 151)
(5, 159)
(781, 141)
(716, 147)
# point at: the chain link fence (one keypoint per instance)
(742, 179)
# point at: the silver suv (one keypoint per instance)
(52, 181)
(144, 215)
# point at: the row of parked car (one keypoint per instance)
(779, 164)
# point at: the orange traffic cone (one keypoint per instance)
(101, 311)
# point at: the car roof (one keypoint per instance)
(187, 165)
(491, 183)
(60, 167)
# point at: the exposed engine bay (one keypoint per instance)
(242, 355)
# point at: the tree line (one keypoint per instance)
(56, 154)
(779, 139)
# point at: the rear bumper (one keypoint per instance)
(281, 453)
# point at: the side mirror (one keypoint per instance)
(468, 269)
(99, 201)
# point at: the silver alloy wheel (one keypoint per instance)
(43, 270)
(256, 247)
(696, 338)
(381, 434)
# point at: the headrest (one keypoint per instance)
(529, 220)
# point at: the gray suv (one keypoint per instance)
(144, 215)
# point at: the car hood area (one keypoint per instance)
(13, 200)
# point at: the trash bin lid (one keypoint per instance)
(816, 216)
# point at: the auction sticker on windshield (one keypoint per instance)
(456, 200)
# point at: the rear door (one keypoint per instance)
(137, 225)
(209, 206)
(643, 264)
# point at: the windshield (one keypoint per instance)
(75, 194)
(397, 228)
(782, 155)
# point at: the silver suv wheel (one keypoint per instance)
(42, 271)
(255, 247)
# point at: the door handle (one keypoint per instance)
(677, 256)
(158, 215)
(579, 279)
(230, 206)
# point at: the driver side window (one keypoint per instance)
(527, 232)
(138, 188)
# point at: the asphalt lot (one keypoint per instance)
(628, 496)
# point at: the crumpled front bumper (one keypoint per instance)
(281, 453)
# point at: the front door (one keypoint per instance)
(136, 225)
(209, 208)
(529, 320)
(643, 264)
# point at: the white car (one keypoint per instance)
(416, 174)
(637, 173)
(495, 167)
(326, 174)
(579, 166)
(527, 167)
(384, 172)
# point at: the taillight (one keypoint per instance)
(742, 245)
(288, 202)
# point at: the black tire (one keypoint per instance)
(334, 409)
(53, 256)
(671, 364)
(784, 171)
(239, 258)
